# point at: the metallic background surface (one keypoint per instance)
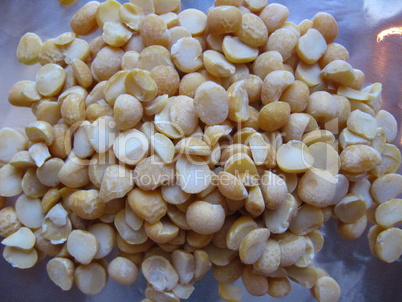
(361, 276)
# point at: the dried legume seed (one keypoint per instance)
(29, 48)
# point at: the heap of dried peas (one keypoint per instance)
(192, 141)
